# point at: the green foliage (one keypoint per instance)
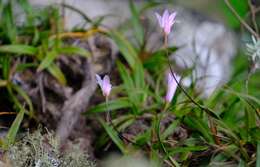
(224, 133)
(138, 28)
(179, 132)
(117, 104)
(125, 47)
(134, 85)
(36, 38)
(158, 60)
(8, 23)
(258, 155)
(241, 7)
(10, 137)
(114, 136)
(18, 50)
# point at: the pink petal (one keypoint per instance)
(165, 18)
(171, 87)
(106, 85)
(172, 18)
(106, 80)
(167, 28)
(169, 78)
(99, 80)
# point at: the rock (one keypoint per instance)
(206, 46)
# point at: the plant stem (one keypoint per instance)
(207, 110)
(241, 20)
(247, 79)
(214, 131)
(253, 13)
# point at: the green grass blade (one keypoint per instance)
(22, 93)
(73, 50)
(157, 61)
(185, 149)
(10, 137)
(48, 60)
(143, 138)
(57, 73)
(125, 47)
(242, 95)
(8, 22)
(25, 5)
(255, 134)
(5, 65)
(1, 7)
(125, 76)
(242, 163)
(139, 79)
(114, 136)
(198, 124)
(19, 49)
(170, 129)
(119, 103)
(139, 75)
(258, 155)
(250, 118)
(138, 28)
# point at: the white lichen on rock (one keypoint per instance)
(253, 50)
(37, 150)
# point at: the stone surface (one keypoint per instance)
(205, 45)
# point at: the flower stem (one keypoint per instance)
(203, 108)
(109, 120)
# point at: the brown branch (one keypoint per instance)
(214, 131)
(240, 19)
(253, 13)
(7, 113)
(76, 104)
(86, 34)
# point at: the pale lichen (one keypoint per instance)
(37, 150)
(253, 50)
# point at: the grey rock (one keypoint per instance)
(205, 45)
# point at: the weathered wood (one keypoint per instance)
(76, 104)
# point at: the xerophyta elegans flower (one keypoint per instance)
(253, 50)
(166, 21)
(104, 84)
(171, 86)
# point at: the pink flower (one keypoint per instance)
(166, 21)
(104, 84)
(171, 86)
